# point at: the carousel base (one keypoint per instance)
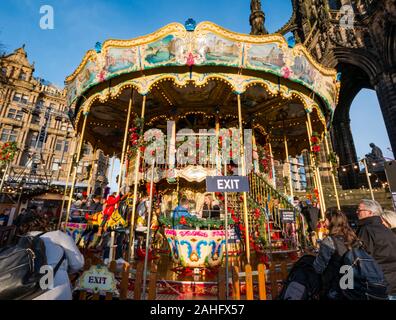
(177, 283)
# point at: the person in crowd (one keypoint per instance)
(182, 210)
(211, 208)
(96, 204)
(329, 260)
(58, 246)
(4, 216)
(311, 214)
(379, 241)
(389, 219)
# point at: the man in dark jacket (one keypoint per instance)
(379, 241)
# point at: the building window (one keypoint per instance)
(9, 135)
(22, 75)
(58, 145)
(4, 71)
(66, 149)
(56, 165)
(33, 140)
(15, 114)
(64, 126)
(24, 99)
(17, 97)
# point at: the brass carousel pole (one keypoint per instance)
(111, 254)
(67, 182)
(288, 162)
(332, 173)
(124, 145)
(91, 171)
(245, 209)
(135, 188)
(272, 164)
(316, 170)
(80, 144)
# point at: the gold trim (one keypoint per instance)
(238, 83)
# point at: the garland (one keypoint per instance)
(264, 159)
(332, 158)
(315, 147)
(136, 140)
(194, 222)
(8, 152)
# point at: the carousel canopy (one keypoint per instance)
(188, 72)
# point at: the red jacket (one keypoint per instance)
(110, 205)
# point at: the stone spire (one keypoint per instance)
(257, 18)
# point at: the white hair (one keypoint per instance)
(372, 206)
(390, 218)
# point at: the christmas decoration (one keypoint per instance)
(8, 152)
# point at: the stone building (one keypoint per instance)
(33, 113)
(358, 38)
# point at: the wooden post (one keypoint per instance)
(124, 281)
(113, 269)
(221, 284)
(138, 281)
(75, 168)
(261, 282)
(152, 289)
(249, 282)
(274, 282)
(135, 187)
(235, 284)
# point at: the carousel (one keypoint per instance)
(189, 102)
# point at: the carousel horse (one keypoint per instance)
(96, 223)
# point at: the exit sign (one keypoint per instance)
(227, 184)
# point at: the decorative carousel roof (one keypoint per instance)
(206, 45)
(193, 70)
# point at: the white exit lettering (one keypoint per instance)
(227, 184)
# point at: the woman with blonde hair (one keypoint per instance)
(389, 219)
(211, 208)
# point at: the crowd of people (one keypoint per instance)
(375, 234)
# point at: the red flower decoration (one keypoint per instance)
(183, 220)
(316, 148)
(190, 60)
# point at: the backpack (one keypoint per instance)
(368, 279)
(20, 268)
(302, 283)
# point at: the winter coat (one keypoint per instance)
(380, 243)
(328, 263)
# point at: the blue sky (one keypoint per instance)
(79, 24)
